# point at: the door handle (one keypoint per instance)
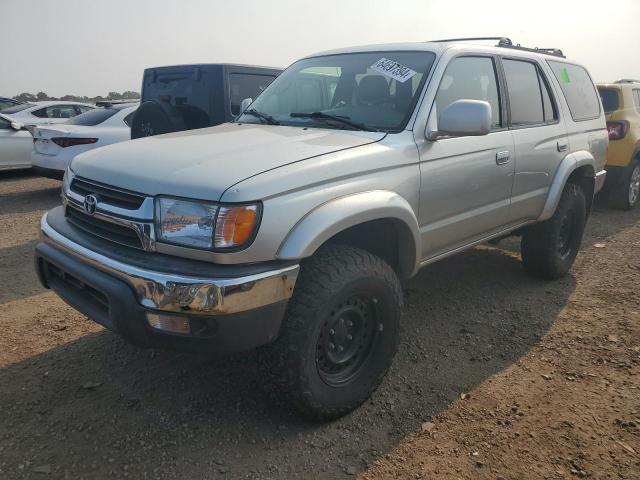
(503, 157)
(562, 146)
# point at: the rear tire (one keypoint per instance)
(626, 193)
(550, 247)
(340, 333)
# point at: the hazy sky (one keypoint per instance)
(90, 47)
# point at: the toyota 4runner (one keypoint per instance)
(291, 228)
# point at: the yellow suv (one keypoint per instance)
(621, 101)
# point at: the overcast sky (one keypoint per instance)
(91, 47)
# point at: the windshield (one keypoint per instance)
(17, 108)
(92, 117)
(373, 91)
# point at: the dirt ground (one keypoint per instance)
(499, 376)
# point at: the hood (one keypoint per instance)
(204, 163)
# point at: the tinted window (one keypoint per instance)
(242, 85)
(636, 98)
(17, 108)
(4, 123)
(56, 111)
(610, 99)
(6, 104)
(93, 117)
(470, 78)
(578, 89)
(530, 98)
(525, 96)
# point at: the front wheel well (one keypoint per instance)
(387, 238)
(584, 177)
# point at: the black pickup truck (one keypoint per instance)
(184, 97)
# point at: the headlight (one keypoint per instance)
(66, 180)
(204, 225)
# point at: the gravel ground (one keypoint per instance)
(478, 334)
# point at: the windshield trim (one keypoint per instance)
(410, 110)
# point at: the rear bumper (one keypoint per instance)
(48, 172)
(224, 314)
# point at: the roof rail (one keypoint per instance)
(506, 42)
(627, 80)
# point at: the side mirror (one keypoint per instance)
(462, 118)
(17, 126)
(245, 104)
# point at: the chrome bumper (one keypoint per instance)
(599, 180)
(181, 294)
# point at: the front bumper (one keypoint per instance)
(599, 180)
(226, 314)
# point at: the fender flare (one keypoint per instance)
(569, 164)
(339, 214)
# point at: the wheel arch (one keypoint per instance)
(578, 167)
(381, 222)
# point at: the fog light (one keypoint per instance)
(169, 323)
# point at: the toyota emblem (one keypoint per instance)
(90, 202)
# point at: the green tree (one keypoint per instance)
(26, 97)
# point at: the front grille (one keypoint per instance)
(103, 229)
(107, 194)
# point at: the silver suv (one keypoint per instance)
(292, 228)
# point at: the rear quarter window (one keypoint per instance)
(610, 99)
(578, 90)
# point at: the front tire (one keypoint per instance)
(340, 333)
(550, 247)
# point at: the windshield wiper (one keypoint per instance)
(327, 116)
(263, 116)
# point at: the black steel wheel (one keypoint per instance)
(340, 333)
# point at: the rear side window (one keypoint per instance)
(242, 85)
(56, 111)
(470, 78)
(529, 96)
(578, 90)
(610, 99)
(93, 117)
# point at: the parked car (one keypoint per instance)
(292, 227)
(8, 102)
(621, 102)
(184, 97)
(54, 146)
(15, 145)
(46, 112)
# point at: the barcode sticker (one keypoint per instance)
(393, 69)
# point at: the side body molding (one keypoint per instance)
(569, 164)
(339, 214)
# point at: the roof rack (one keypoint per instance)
(506, 42)
(627, 80)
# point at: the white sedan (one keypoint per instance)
(46, 112)
(54, 146)
(16, 144)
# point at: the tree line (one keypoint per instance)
(42, 96)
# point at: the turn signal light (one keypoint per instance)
(235, 226)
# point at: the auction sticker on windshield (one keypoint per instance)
(393, 69)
